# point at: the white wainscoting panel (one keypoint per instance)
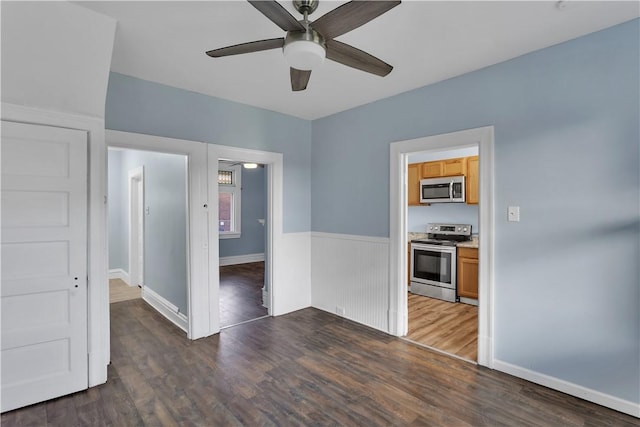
(241, 259)
(291, 281)
(350, 277)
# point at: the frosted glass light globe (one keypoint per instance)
(304, 54)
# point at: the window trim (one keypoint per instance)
(236, 189)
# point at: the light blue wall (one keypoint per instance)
(140, 106)
(118, 225)
(567, 151)
(454, 213)
(254, 207)
(165, 242)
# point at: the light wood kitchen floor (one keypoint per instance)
(446, 326)
(120, 291)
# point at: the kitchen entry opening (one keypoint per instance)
(400, 173)
(442, 251)
(148, 232)
(242, 219)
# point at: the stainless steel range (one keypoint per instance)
(433, 261)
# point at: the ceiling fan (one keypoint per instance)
(307, 43)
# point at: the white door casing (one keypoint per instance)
(136, 226)
(44, 263)
(398, 318)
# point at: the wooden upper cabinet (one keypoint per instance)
(454, 167)
(468, 273)
(449, 167)
(413, 184)
(472, 180)
(432, 169)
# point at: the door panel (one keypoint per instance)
(44, 263)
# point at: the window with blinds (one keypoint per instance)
(229, 196)
(225, 177)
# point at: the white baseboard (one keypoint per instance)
(118, 273)
(165, 308)
(241, 259)
(594, 396)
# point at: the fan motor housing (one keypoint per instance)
(310, 35)
(308, 6)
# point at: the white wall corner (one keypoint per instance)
(292, 273)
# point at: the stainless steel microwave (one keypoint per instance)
(442, 190)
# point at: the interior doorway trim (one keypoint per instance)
(136, 226)
(398, 317)
(197, 270)
(273, 245)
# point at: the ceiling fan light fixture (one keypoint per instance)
(304, 51)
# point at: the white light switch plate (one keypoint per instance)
(513, 213)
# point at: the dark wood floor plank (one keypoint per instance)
(241, 293)
(302, 369)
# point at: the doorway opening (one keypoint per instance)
(398, 238)
(243, 238)
(148, 230)
(442, 298)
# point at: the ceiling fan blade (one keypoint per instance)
(350, 16)
(299, 79)
(277, 14)
(247, 47)
(356, 58)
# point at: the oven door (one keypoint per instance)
(433, 265)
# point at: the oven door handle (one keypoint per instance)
(433, 248)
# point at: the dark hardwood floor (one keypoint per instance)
(305, 368)
(241, 293)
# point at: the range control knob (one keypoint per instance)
(458, 228)
(431, 228)
(464, 229)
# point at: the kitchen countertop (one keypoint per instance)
(414, 236)
(473, 243)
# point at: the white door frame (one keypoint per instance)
(136, 215)
(197, 270)
(398, 317)
(273, 246)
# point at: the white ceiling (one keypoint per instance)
(425, 41)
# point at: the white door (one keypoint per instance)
(44, 263)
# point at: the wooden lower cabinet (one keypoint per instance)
(468, 273)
